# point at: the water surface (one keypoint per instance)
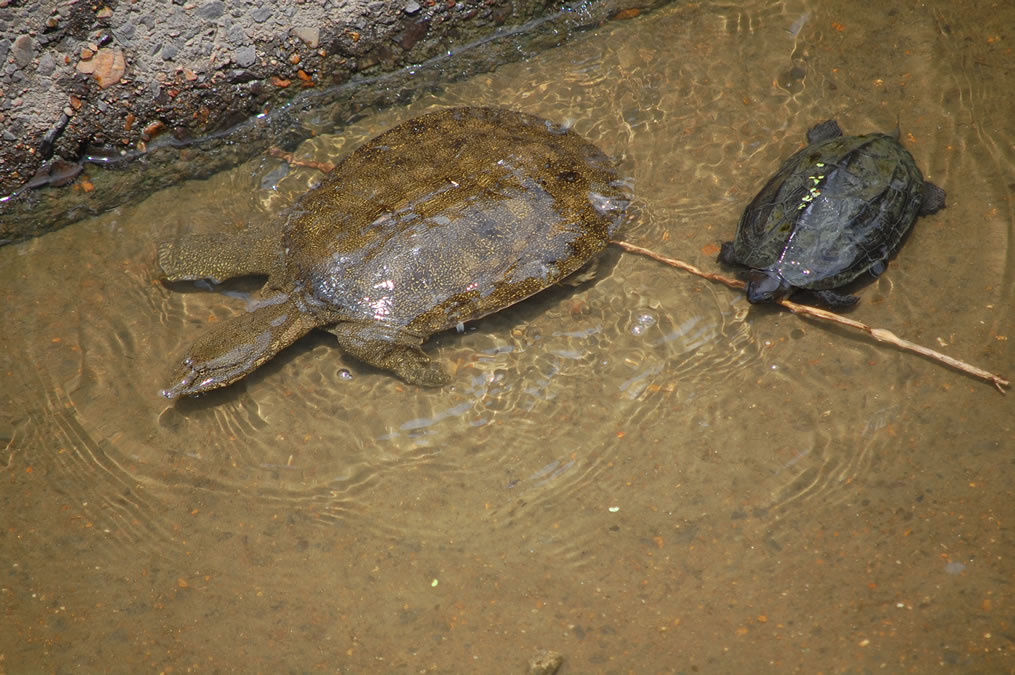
(644, 473)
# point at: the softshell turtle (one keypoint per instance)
(834, 210)
(443, 219)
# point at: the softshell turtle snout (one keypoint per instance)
(187, 381)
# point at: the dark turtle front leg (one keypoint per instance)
(391, 349)
(835, 299)
(726, 255)
(217, 256)
(933, 199)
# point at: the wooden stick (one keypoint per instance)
(880, 334)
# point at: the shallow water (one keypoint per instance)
(644, 473)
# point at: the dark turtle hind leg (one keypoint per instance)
(933, 199)
(823, 131)
(217, 256)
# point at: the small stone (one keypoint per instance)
(412, 8)
(169, 52)
(125, 33)
(23, 50)
(212, 10)
(107, 67)
(104, 13)
(246, 56)
(311, 36)
(545, 662)
(236, 35)
(261, 14)
(47, 64)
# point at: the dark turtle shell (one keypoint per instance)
(835, 210)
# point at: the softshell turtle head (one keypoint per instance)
(237, 346)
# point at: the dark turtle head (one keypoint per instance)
(766, 286)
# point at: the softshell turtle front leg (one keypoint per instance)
(236, 347)
(388, 348)
(218, 256)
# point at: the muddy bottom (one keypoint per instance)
(643, 474)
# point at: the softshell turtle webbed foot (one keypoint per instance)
(391, 349)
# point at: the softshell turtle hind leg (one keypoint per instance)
(217, 256)
(235, 347)
(391, 349)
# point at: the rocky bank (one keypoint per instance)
(88, 83)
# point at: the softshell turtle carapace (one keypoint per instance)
(834, 210)
(443, 219)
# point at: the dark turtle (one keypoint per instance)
(836, 209)
(440, 220)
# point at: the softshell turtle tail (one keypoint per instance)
(236, 347)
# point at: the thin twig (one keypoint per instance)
(880, 334)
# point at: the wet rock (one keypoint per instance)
(545, 662)
(55, 174)
(413, 33)
(46, 147)
(23, 50)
